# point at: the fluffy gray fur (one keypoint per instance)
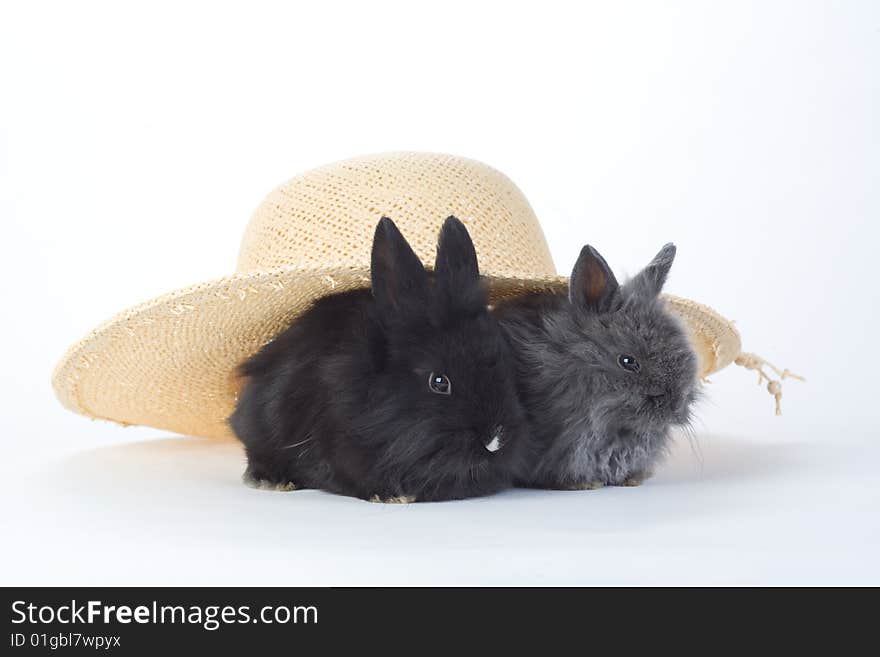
(594, 421)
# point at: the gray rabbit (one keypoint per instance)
(603, 372)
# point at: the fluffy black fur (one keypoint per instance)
(598, 419)
(341, 400)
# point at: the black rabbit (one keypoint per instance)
(403, 393)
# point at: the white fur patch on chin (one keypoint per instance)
(494, 445)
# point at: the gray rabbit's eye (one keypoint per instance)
(440, 384)
(628, 363)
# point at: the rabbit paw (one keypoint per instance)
(587, 485)
(265, 484)
(634, 480)
(400, 499)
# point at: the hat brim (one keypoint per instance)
(171, 363)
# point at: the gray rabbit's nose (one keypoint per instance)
(656, 392)
(494, 443)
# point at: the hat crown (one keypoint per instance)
(325, 218)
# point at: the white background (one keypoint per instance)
(135, 142)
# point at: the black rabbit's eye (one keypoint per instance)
(440, 384)
(628, 363)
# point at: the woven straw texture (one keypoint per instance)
(170, 363)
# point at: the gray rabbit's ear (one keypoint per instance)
(592, 285)
(400, 282)
(649, 282)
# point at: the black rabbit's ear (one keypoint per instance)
(649, 282)
(400, 283)
(592, 285)
(456, 272)
(456, 263)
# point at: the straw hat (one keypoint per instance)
(170, 363)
